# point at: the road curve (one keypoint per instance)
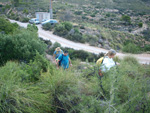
(143, 58)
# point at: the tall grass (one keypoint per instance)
(124, 89)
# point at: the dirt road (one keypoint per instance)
(143, 58)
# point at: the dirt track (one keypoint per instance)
(143, 58)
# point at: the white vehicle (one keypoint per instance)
(34, 21)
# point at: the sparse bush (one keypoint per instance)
(24, 19)
(78, 12)
(25, 11)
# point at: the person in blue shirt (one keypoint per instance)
(64, 60)
(57, 53)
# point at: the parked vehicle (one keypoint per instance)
(52, 21)
(34, 21)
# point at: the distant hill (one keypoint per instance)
(135, 5)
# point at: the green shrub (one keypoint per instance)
(78, 12)
(140, 24)
(7, 27)
(20, 46)
(48, 26)
(36, 67)
(60, 30)
(131, 60)
(131, 48)
(17, 96)
(24, 19)
(146, 34)
(147, 48)
(68, 25)
(32, 27)
(126, 18)
(25, 11)
(92, 15)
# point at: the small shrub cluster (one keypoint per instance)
(131, 48)
(48, 26)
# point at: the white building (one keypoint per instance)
(42, 15)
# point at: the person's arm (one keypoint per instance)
(70, 62)
(57, 63)
(54, 54)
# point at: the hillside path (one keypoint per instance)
(143, 58)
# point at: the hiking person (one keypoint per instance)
(57, 53)
(64, 60)
(106, 63)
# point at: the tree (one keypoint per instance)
(16, 3)
(126, 18)
(20, 46)
(7, 27)
(32, 27)
(140, 24)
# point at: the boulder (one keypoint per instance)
(99, 45)
(100, 41)
(106, 46)
(71, 32)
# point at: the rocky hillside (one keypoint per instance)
(103, 23)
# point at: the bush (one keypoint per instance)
(48, 26)
(35, 67)
(68, 25)
(140, 24)
(25, 11)
(24, 19)
(20, 46)
(7, 27)
(126, 18)
(18, 96)
(32, 27)
(147, 48)
(146, 34)
(131, 48)
(60, 30)
(78, 12)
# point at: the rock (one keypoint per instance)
(100, 41)
(99, 45)
(106, 42)
(82, 30)
(106, 46)
(71, 32)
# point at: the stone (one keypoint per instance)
(99, 45)
(106, 46)
(100, 41)
(71, 32)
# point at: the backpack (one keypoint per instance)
(100, 61)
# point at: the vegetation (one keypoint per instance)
(125, 90)
(21, 44)
(37, 86)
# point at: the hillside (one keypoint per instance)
(29, 83)
(117, 24)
